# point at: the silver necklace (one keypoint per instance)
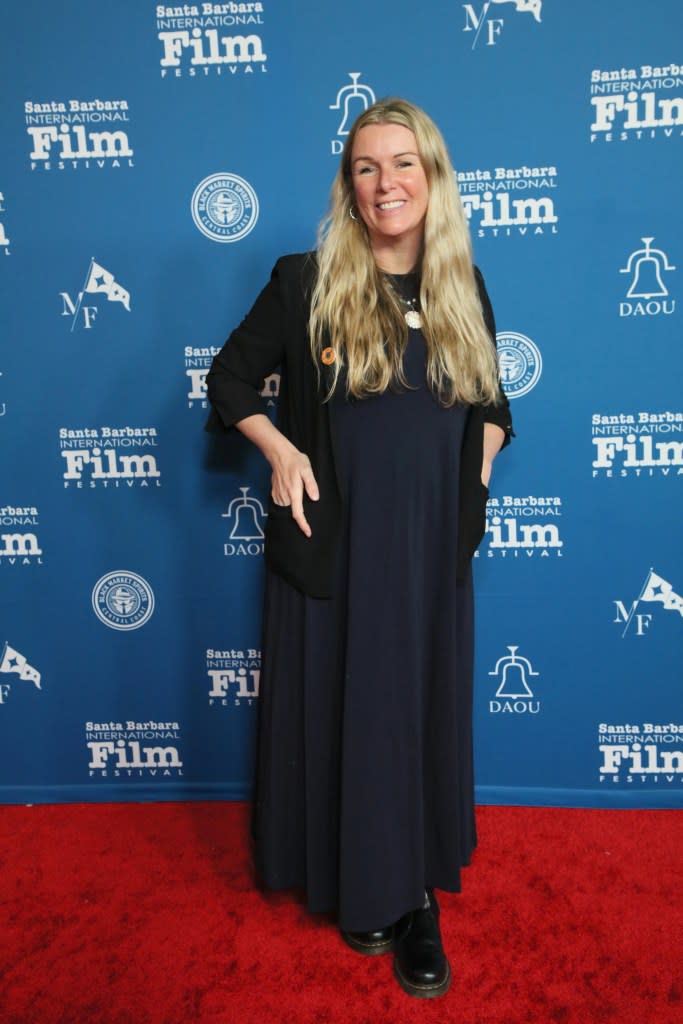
(411, 315)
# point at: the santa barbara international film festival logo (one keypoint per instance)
(197, 363)
(234, 676)
(522, 527)
(647, 294)
(123, 600)
(109, 457)
(97, 281)
(224, 207)
(19, 544)
(4, 240)
(501, 202)
(634, 104)
(210, 39)
(486, 23)
(78, 134)
(133, 749)
(648, 753)
(246, 517)
(12, 664)
(654, 591)
(514, 694)
(642, 444)
(352, 99)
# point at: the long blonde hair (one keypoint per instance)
(355, 310)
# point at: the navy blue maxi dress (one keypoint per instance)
(364, 783)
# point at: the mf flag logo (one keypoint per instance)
(485, 25)
(97, 279)
(11, 662)
(655, 590)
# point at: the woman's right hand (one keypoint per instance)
(292, 476)
(292, 472)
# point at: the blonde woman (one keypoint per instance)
(390, 416)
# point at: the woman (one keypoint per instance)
(390, 416)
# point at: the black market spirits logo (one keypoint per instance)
(351, 101)
(70, 134)
(642, 444)
(234, 676)
(4, 240)
(19, 544)
(522, 527)
(197, 364)
(209, 39)
(113, 457)
(634, 104)
(501, 202)
(647, 754)
(647, 293)
(486, 24)
(133, 749)
(13, 667)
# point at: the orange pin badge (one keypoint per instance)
(328, 356)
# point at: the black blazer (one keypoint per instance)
(275, 333)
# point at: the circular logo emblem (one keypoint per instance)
(224, 207)
(520, 363)
(123, 600)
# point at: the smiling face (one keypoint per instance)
(391, 192)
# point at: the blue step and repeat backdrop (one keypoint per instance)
(157, 159)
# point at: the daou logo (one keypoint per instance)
(97, 280)
(247, 516)
(12, 663)
(655, 590)
(647, 294)
(486, 27)
(514, 694)
(351, 100)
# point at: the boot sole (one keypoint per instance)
(424, 991)
(368, 949)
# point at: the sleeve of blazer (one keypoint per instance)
(251, 353)
(498, 414)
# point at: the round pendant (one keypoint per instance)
(413, 319)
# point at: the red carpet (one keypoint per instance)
(146, 914)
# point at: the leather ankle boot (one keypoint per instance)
(420, 964)
(373, 943)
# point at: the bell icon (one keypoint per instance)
(513, 681)
(245, 510)
(352, 96)
(646, 265)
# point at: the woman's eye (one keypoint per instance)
(365, 170)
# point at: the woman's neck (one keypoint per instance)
(395, 259)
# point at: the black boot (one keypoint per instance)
(381, 940)
(420, 964)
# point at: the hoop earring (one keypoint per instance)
(352, 214)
